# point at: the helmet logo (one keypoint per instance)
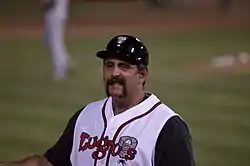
(121, 39)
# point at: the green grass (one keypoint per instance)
(34, 110)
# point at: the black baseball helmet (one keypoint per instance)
(127, 48)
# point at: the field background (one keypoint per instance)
(182, 40)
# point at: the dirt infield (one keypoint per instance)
(136, 20)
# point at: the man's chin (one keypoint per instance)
(115, 93)
(117, 96)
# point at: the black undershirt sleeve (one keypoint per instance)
(59, 153)
(174, 147)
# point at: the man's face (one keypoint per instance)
(121, 78)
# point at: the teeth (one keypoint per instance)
(117, 86)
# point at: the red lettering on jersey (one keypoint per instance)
(83, 145)
(103, 145)
(131, 154)
(115, 149)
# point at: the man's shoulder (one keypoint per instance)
(95, 104)
(166, 109)
(88, 108)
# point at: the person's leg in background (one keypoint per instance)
(54, 33)
(55, 26)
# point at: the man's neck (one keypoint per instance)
(123, 104)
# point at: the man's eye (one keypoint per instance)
(109, 65)
(124, 66)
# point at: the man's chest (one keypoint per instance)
(113, 144)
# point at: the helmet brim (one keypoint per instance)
(102, 54)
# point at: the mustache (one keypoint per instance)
(115, 80)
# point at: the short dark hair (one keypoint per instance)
(140, 68)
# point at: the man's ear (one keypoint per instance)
(144, 72)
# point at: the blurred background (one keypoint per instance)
(199, 66)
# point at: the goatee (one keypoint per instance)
(116, 80)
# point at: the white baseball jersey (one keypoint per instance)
(140, 136)
(104, 139)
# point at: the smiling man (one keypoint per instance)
(130, 127)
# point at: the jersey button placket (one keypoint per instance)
(111, 128)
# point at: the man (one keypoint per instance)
(56, 14)
(130, 127)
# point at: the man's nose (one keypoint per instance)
(116, 71)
